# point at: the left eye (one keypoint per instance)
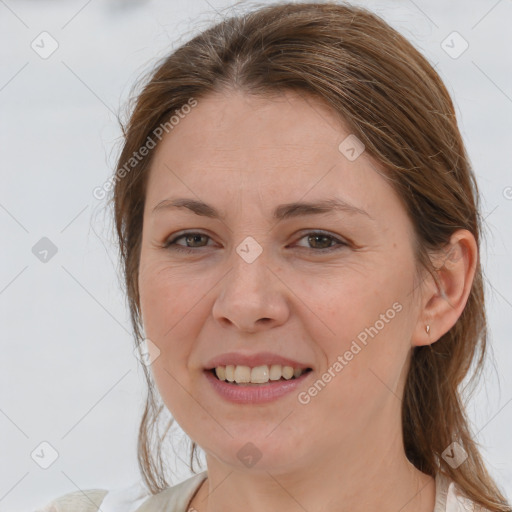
(314, 237)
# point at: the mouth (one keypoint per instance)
(246, 385)
(256, 376)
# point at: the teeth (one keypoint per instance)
(230, 373)
(242, 374)
(287, 372)
(275, 372)
(257, 375)
(221, 372)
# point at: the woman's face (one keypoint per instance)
(330, 290)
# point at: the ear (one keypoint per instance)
(443, 303)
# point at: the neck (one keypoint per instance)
(386, 483)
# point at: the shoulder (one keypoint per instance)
(449, 498)
(88, 500)
(457, 502)
(135, 498)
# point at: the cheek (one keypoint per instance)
(168, 305)
(364, 321)
(167, 297)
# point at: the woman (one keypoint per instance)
(299, 230)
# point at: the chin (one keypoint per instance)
(261, 452)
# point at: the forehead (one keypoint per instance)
(288, 145)
(234, 121)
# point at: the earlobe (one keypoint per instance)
(445, 300)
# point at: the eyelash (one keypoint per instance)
(171, 244)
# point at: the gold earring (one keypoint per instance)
(427, 328)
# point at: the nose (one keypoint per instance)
(252, 297)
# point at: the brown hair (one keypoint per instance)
(392, 99)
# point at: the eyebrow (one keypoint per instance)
(281, 212)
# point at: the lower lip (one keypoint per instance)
(255, 394)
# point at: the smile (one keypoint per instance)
(255, 393)
(240, 374)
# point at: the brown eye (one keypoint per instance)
(192, 240)
(319, 241)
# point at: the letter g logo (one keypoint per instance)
(303, 398)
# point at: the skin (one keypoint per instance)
(244, 156)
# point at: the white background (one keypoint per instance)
(68, 373)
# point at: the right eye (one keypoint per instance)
(190, 236)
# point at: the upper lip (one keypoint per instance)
(252, 360)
